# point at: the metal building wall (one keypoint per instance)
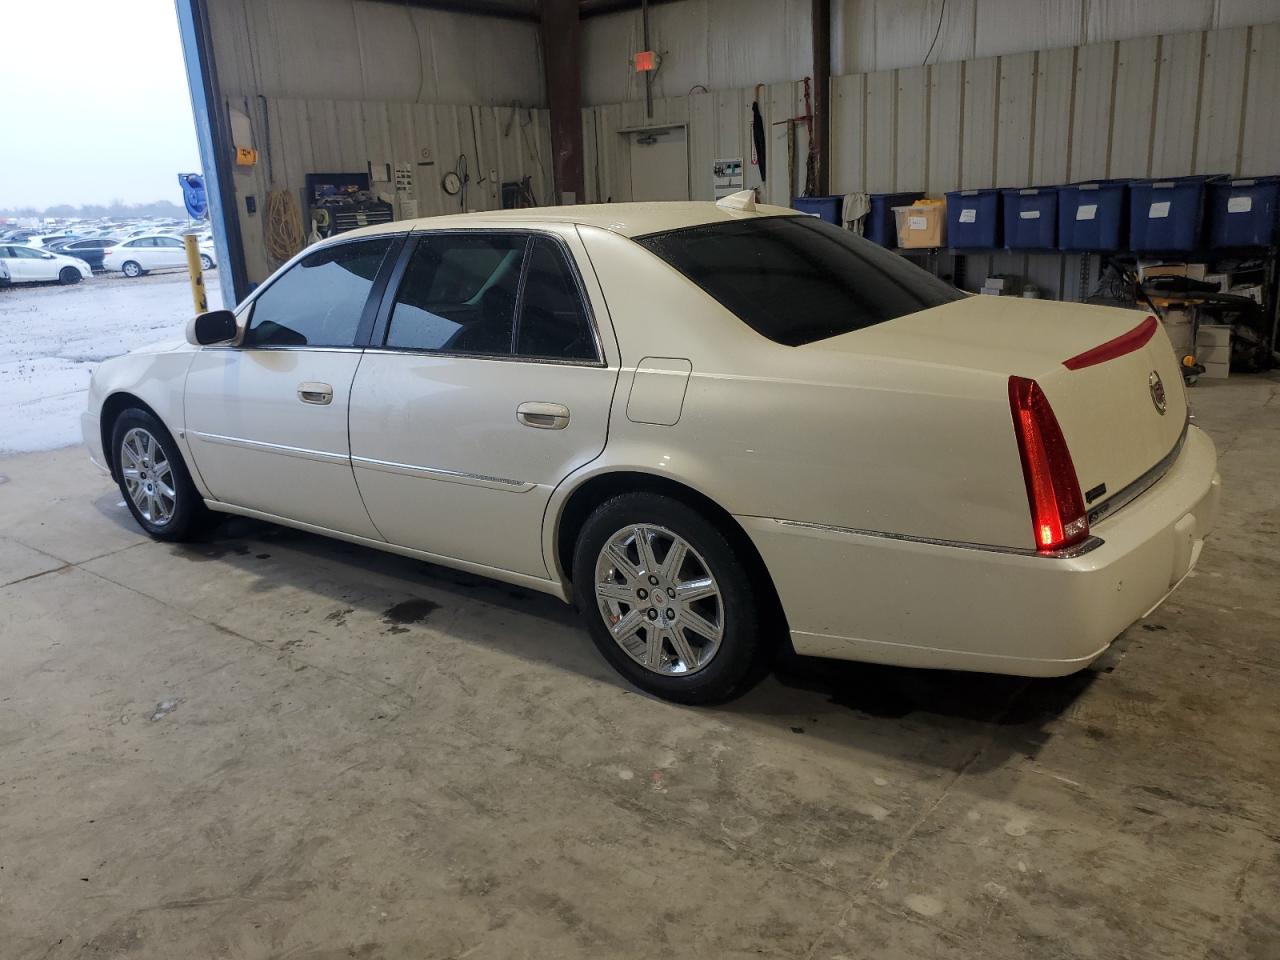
(360, 50)
(312, 136)
(718, 126)
(736, 43)
(338, 85)
(872, 35)
(1158, 106)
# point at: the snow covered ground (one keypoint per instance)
(51, 338)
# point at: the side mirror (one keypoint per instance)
(216, 326)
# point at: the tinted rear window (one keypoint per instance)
(798, 279)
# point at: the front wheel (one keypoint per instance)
(156, 485)
(68, 275)
(206, 262)
(131, 269)
(667, 601)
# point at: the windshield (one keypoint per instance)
(799, 279)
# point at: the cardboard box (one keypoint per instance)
(1209, 355)
(921, 227)
(1213, 335)
(1251, 290)
(1196, 271)
(995, 283)
(1177, 324)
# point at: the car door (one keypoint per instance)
(267, 419)
(487, 383)
(29, 264)
(169, 252)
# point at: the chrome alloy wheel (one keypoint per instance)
(659, 600)
(148, 476)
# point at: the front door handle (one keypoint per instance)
(544, 416)
(320, 393)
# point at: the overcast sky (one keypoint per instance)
(94, 104)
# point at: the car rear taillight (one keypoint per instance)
(1058, 516)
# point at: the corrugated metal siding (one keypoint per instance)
(872, 35)
(1151, 106)
(357, 50)
(296, 137)
(718, 125)
(1155, 106)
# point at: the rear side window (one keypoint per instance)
(318, 301)
(553, 320)
(797, 280)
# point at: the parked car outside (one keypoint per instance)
(713, 427)
(91, 250)
(141, 255)
(31, 265)
(4, 274)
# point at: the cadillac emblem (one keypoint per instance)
(1157, 393)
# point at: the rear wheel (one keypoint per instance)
(206, 262)
(155, 483)
(68, 275)
(131, 268)
(667, 601)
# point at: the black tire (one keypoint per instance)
(68, 275)
(131, 269)
(206, 262)
(743, 655)
(188, 515)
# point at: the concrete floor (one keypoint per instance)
(273, 745)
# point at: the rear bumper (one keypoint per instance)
(857, 596)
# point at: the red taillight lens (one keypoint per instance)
(1058, 516)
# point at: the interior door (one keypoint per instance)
(660, 164)
(488, 384)
(267, 420)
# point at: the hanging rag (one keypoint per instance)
(757, 135)
(854, 210)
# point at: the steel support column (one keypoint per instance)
(213, 136)
(821, 14)
(562, 68)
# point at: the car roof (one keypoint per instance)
(626, 219)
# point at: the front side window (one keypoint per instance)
(796, 280)
(318, 301)
(491, 295)
(459, 294)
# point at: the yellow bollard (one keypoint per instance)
(197, 273)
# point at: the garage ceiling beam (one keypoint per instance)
(597, 8)
(526, 10)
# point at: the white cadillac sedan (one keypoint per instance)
(709, 426)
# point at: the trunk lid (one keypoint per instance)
(1109, 410)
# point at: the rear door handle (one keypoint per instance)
(320, 393)
(544, 416)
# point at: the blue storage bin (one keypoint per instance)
(1030, 218)
(828, 208)
(973, 219)
(1093, 215)
(881, 226)
(1167, 214)
(1243, 212)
